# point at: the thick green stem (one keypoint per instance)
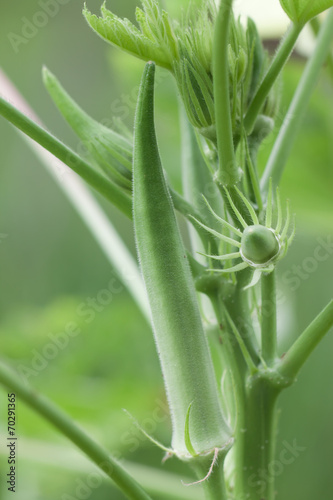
(281, 57)
(228, 172)
(66, 426)
(296, 111)
(268, 318)
(255, 443)
(111, 192)
(295, 358)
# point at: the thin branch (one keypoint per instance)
(165, 485)
(106, 188)
(68, 428)
(228, 172)
(281, 57)
(86, 206)
(297, 109)
(268, 317)
(315, 25)
(295, 358)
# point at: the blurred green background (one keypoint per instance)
(50, 266)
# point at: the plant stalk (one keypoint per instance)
(296, 111)
(214, 486)
(106, 188)
(315, 25)
(87, 207)
(295, 358)
(268, 317)
(255, 442)
(228, 172)
(281, 57)
(67, 427)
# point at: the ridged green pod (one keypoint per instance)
(180, 339)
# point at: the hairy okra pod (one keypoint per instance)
(180, 339)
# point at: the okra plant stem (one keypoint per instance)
(315, 26)
(255, 442)
(111, 192)
(295, 358)
(295, 114)
(281, 57)
(67, 427)
(228, 172)
(214, 486)
(96, 180)
(268, 318)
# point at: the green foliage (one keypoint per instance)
(301, 11)
(154, 41)
(185, 48)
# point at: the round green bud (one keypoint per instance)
(259, 245)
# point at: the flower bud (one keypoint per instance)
(259, 245)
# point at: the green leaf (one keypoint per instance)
(301, 11)
(106, 149)
(181, 342)
(147, 44)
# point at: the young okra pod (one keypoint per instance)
(180, 339)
